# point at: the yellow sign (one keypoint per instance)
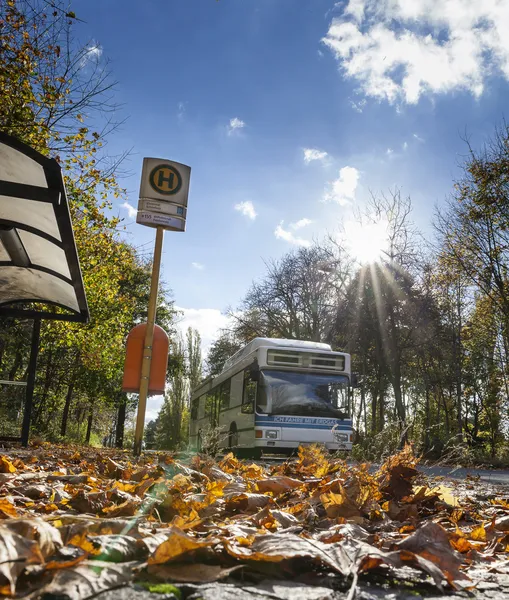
(165, 179)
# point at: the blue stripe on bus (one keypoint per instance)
(303, 423)
(304, 426)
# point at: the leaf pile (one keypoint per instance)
(80, 521)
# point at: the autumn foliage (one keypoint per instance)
(94, 521)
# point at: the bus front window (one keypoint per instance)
(305, 394)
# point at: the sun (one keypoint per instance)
(366, 241)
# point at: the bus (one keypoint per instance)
(275, 395)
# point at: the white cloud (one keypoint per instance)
(389, 151)
(208, 322)
(311, 154)
(342, 189)
(247, 209)
(405, 145)
(300, 224)
(235, 125)
(358, 106)
(288, 236)
(131, 211)
(398, 50)
(92, 52)
(198, 266)
(181, 110)
(418, 138)
(154, 405)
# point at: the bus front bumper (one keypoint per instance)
(278, 445)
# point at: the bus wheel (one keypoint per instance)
(233, 437)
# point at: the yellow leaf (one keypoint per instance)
(177, 545)
(478, 534)
(446, 494)
(6, 466)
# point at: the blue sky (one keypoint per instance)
(379, 93)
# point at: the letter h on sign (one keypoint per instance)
(170, 179)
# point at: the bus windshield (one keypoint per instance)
(304, 394)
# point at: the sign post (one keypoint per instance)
(149, 338)
(163, 204)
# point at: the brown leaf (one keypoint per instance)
(396, 475)
(431, 541)
(277, 485)
(502, 523)
(117, 471)
(15, 553)
(191, 573)
(126, 509)
(48, 538)
(400, 512)
(87, 580)
(91, 503)
(176, 545)
(247, 502)
(36, 491)
(285, 546)
(141, 488)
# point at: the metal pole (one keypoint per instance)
(29, 398)
(149, 337)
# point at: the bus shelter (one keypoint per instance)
(40, 275)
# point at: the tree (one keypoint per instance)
(298, 297)
(184, 372)
(220, 351)
(57, 96)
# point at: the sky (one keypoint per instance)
(290, 113)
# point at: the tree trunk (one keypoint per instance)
(67, 406)
(18, 361)
(119, 432)
(374, 407)
(89, 425)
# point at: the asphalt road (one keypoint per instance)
(495, 476)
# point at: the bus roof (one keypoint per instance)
(273, 342)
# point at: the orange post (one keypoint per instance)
(134, 359)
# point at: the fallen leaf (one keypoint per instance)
(285, 546)
(431, 541)
(447, 495)
(125, 509)
(191, 573)
(7, 509)
(87, 580)
(176, 545)
(6, 465)
(15, 553)
(478, 534)
(277, 485)
(247, 502)
(48, 538)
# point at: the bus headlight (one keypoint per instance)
(341, 437)
(271, 434)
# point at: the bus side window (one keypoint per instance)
(224, 395)
(248, 398)
(211, 407)
(201, 406)
(194, 409)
